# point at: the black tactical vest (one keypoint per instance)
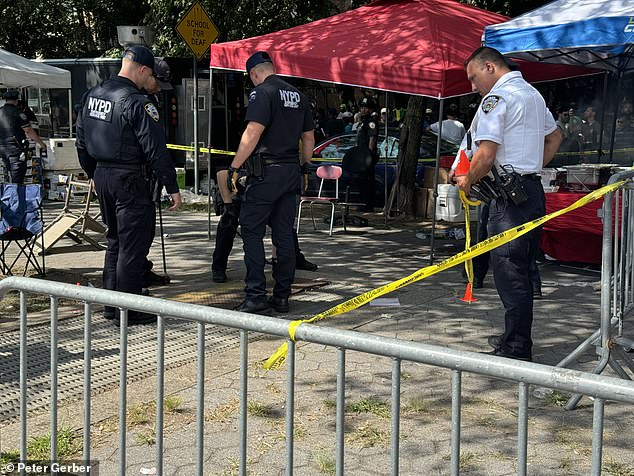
(107, 131)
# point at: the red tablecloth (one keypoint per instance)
(577, 235)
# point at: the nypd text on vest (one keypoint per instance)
(99, 108)
(290, 98)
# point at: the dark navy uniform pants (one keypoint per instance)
(225, 235)
(128, 211)
(511, 264)
(481, 262)
(14, 162)
(270, 200)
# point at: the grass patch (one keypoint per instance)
(68, 444)
(223, 413)
(415, 405)
(147, 436)
(467, 459)
(233, 469)
(274, 389)
(368, 436)
(369, 405)
(138, 414)
(557, 398)
(612, 468)
(255, 408)
(325, 462)
(172, 404)
(330, 404)
(12, 456)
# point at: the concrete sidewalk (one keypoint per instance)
(428, 311)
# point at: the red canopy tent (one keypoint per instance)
(406, 46)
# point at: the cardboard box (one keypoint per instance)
(443, 176)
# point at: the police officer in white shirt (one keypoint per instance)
(516, 134)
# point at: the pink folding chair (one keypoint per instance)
(324, 172)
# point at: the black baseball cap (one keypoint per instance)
(12, 94)
(141, 54)
(257, 58)
(162, 74)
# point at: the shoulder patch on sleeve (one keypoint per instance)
(151, 111)
(23, 116)
(252, 96)
(372, 125)
(489, 103)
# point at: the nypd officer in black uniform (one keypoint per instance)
(119, 138)
(367, 135)
(278, 117)
(14, 129)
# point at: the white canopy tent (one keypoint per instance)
(19, 72)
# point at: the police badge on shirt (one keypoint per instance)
(489, 103)
(151, 111)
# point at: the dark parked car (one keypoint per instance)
(332, 150)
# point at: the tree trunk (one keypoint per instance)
(409, 143)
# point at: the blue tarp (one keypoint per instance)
(594, 33)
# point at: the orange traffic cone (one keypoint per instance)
(468, 295)
(463, 164)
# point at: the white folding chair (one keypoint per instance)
(324, 172)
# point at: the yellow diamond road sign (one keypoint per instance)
(197, 29)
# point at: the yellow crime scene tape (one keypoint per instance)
(278, 358)
(204, 150)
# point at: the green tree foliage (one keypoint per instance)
(235, 19)
(87, 28)
(63, 28)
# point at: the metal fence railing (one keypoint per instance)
(602, 388)
(617, 285)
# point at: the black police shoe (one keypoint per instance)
(150, 278)
(279, 304)
(305, 265)
(218, 276)
(136, 318)
(500, 353)
(253, 306)
(495, 341)
(109, 312)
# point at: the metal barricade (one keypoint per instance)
(617, 285)
(600, 387)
